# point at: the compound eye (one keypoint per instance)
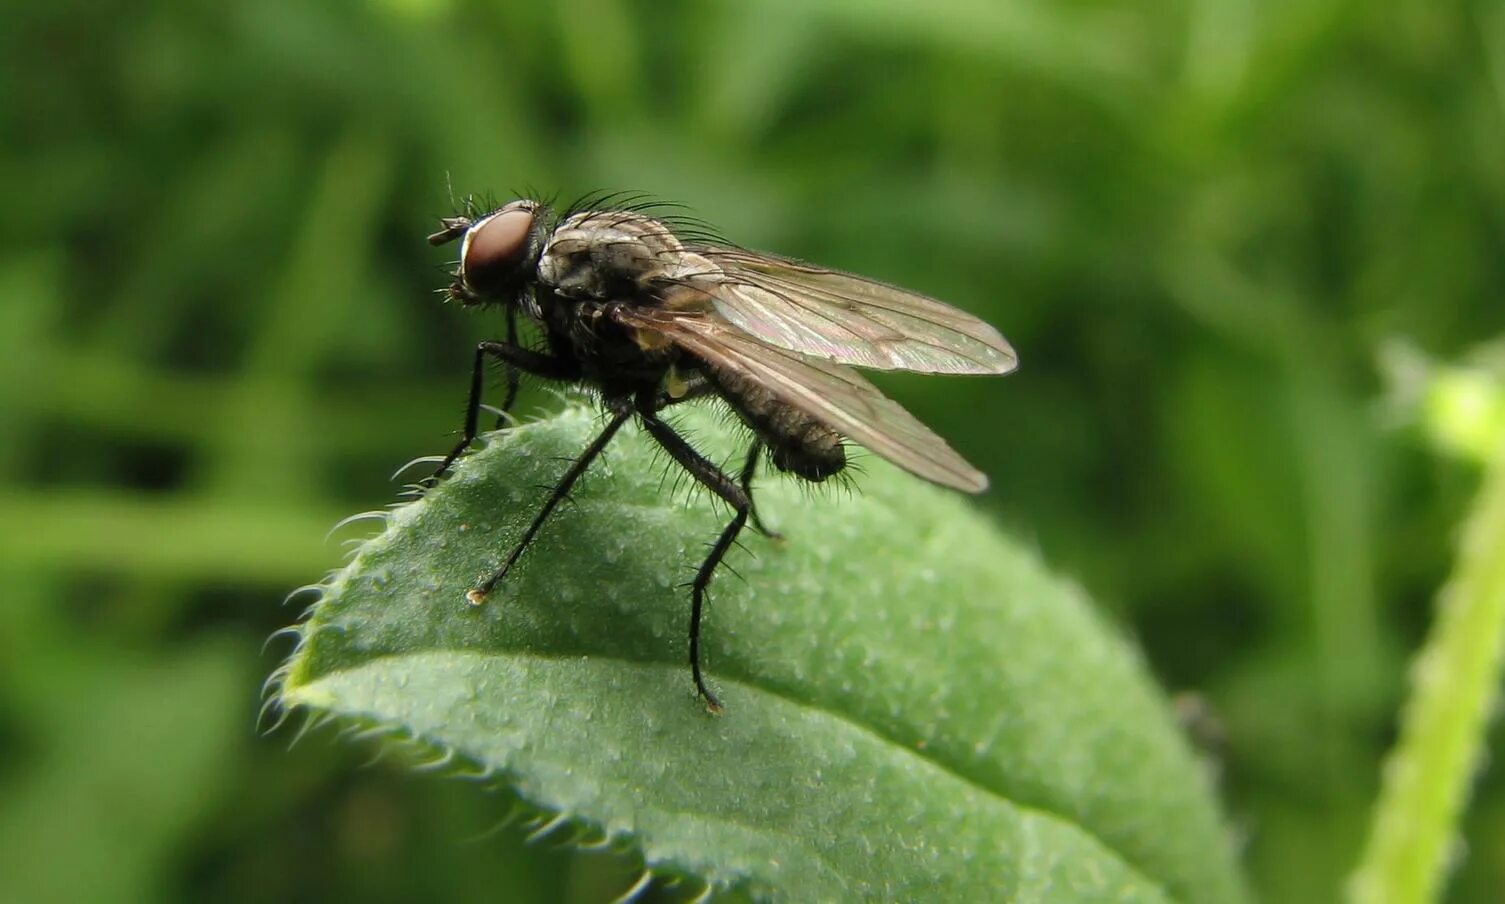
(495, 247)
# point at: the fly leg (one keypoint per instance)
(560, 491)
(514, 376)
(518, 360)
(749, 467)
(703, 470)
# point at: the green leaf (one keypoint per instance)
(916, 709)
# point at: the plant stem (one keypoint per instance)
(1427, 776)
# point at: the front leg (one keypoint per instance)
(517, 359)
(478, 594)
(514, 376)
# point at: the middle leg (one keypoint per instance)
(700, 389)
(717, 481)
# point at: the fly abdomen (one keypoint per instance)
(797, 443)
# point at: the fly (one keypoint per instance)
(650, 313)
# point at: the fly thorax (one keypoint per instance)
(606, 254)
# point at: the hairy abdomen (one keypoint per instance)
(797, 443)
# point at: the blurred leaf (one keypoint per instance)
(1234, 453)
(600, 52)
(30, 286)
(79, 826)
(1088, 46)
(747, 83)
(916, 709)
(143, 534)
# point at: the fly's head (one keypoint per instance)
(499, 252)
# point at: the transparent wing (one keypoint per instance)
(845, 318)
(831, 393)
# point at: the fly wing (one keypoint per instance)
(834, 395)
(846, 318)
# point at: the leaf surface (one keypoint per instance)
(916, 708)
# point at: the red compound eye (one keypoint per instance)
(495, 247)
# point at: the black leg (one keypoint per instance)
(699, 389)
(750, 467)
(478, 595)
(703, 470)
(517, 359)
(514, 376)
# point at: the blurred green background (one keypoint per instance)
(1199, 222)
